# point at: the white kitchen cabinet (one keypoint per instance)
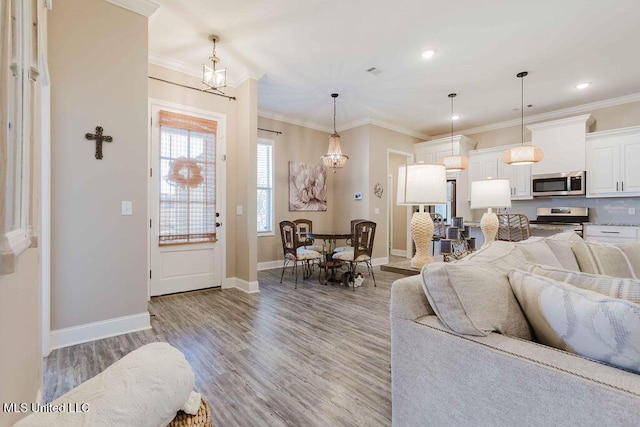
(487, 163)
(610, 233)
(434, 150)
(612, 163)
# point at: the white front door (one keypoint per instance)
(186, 195)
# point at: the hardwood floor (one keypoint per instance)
(313, 356)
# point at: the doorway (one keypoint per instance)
(398, 217)
(186, 199)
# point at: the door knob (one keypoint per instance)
(218, 224)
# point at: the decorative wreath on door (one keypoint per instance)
(185, 173)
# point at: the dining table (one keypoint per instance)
(328, 264)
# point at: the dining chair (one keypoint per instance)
(304, 227)
(349, 244)
(439, 230)
(293, 253)
(513, 227)
(363, 236)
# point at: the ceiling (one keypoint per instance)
(302, 51)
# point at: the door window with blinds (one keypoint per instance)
(187, 202)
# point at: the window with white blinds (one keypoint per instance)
(265, 186)
(187, 179)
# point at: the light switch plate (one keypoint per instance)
(127, 208)
(238, 210)
(376, 211)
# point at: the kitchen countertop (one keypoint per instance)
(609, 224)
(533, 226)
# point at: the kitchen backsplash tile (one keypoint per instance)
(613, 210)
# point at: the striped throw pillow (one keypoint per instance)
(621, 260)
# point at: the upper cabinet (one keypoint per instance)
(487, 163)
(562, 142)
(432, 151)
(610, 163)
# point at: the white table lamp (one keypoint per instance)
(422, 184)
(490, 193)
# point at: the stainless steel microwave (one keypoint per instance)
(559, 184)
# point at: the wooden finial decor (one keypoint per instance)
(99, 138)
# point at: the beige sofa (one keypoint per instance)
(441, 377)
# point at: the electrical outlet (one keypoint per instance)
(238, 210)
(376, 211)
(632, 211)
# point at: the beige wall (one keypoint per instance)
(352, 178)
(399, 225)
(245, 176)
(298, 144)
(98, 66)
(20, 329)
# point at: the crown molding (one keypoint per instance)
(243, 76)
(141, 7)
(584, 108)
(194, 70)
(174, 64)
(293, 121)
(584, 120)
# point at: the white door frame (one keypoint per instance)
(410, 159)
(221, 166)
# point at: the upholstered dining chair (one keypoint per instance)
(439, 231)
(362, 238)
(304, 227)
(513, 227)
(349, 243)
(294, 253)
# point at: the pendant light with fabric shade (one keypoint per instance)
(334, 158)
(522, 154)
(454, 163)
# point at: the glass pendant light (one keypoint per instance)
(522, 154)
(212, 78)
(454, 163)
(334, 158)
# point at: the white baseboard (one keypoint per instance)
(243, 285)
(269, 265)
(97, 330)
(380, 261)
(399, 252)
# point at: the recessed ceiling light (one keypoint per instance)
(428, 53)
(583, 85)
(455, 117)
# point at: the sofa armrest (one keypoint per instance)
(408, 300)
(455, 380)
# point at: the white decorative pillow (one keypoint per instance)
(615, 287)
(611, 260)
(580, 321)
(474, 298)
(536, 250)
(563, 253)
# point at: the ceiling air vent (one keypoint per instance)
(374, 71)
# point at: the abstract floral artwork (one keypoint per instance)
(307, 187)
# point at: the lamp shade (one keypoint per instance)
(491, 193)
(523, 155)
(422, 184)
(455, 163)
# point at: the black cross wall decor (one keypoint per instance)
(99, 138)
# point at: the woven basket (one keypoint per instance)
(201, 419)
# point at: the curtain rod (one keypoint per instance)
(194, 88)
(277, 132)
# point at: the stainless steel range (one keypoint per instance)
(575, 216)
